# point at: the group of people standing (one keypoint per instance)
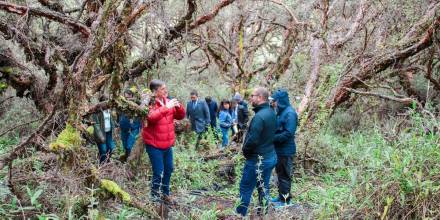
(232, 115)
(269, 143)
(269, 140)
(104, 124)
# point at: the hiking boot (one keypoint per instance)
(168, 200)
(123, 158)
(278, 205)
(275, 200)
(155, 197)
(279, 200)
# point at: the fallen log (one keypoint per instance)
(221, 154)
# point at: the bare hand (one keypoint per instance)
(172, 103)
(178, 104)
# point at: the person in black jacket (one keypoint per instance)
(213, 109)
(259, 151)
(242, 115)
(284, 142)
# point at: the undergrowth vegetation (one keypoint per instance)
(379, 169)
(376, 172)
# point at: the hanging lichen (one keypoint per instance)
(68, 139)
(115, 190)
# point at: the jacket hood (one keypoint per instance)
(282, 98)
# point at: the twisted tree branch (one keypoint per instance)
(52, 15)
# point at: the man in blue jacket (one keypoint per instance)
(258, 149)
(129, 126)
(197, 112)
(284, 142)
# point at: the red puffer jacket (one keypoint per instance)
(159, 132)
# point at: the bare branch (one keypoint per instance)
(52, 15)
(207, 17)
(19, 149)
(292, 15)
(55, 6)
(6, 99)
(355, 27)
(380, 63)
(405, 101)
(19, 125)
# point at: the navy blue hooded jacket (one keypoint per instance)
(126, 124)
(287, 121)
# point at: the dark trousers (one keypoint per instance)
(238, 137)
(284, 169)
(162, 164)
(200, 136)
(128, 138)
(255, 174)
(105, 149)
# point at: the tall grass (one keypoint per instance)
(377, 172)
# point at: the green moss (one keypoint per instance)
(115, 190)
(68, 139)
(3, 87)
(6, 69)
(90, 130)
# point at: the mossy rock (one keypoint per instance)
(115, 190)
(68, 139)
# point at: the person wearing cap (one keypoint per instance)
(129, 126)
(240, 113)
(259, 152)
(240, 100)
(284, 142)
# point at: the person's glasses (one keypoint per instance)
(252, 95)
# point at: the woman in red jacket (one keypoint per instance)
(159, 138)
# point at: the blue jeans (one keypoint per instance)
(128, 138)
(250, 180)
(162, 164)
(225, 133)
(106, 149)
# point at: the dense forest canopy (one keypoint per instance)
(360, 74)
